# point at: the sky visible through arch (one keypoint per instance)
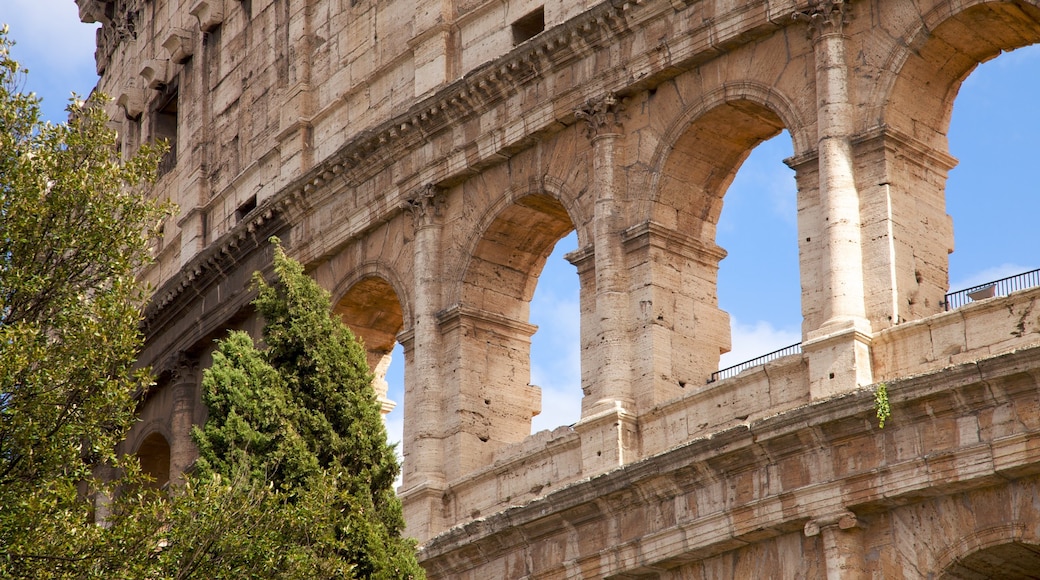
(993, 196)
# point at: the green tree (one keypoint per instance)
(74, 229)
(296, 438)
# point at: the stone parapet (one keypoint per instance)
(780, 478)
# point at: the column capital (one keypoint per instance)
(602, 115)
(843, 520)
(184, 368)
(425, 205)
(825, 17)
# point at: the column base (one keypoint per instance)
(609, 439)
(423, 507)
(839, 358)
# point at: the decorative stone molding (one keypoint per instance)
(210, 13)
(457, 315)
(825, 16)
(653, 234)
(91, 11)
(602, 115)
(426, 205)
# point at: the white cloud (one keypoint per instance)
(49, 33)
(987, 275)
(754, 340)
(57, 49)
(560, 406)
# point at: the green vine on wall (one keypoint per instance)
(881, 406)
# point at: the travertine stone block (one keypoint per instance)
(423, 158)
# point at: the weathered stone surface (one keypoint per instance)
(422, 158)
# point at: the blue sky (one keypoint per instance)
(993, 196)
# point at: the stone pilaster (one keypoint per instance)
(902, 196)
(839, 349)
(423, 479)
(603, 127)
(608, 424)
(184, 388)
(488, 403)
(842, 545)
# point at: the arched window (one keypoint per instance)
(992, 195)
(154, 455)
(759, 282)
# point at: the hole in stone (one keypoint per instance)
(832, 375)
(529, 26)
(244, 209)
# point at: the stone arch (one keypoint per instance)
(922, 76)
(691, 170)
(154, 454)
(1005, 551)
(706, 144)
(902, 150)
(370, 305)
(491, 402)
(547, 186)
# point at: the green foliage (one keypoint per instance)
(297, 428)
(295, 475)
(74, 229)
(881, 405)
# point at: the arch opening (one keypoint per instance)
(1010, 561)
(373, 312)
(759, 278)
(700, 170)
(555, 346)
(983, 198)
(154, 455)
(992, 194)
(492, 326)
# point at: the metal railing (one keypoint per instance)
(1001, 287)
(737, 369)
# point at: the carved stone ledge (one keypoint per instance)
(210, 13)
(154, 72)
(132, 100)
(180, 43)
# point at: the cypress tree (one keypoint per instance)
(300, 417)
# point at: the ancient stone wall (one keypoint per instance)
(423, 158)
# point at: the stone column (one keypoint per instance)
(839, 349)
(423, 480)
(613, 379)
(184, 389)
(842, 545)
(608, 421)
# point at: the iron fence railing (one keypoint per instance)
(1001, 287)
(737, 369)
